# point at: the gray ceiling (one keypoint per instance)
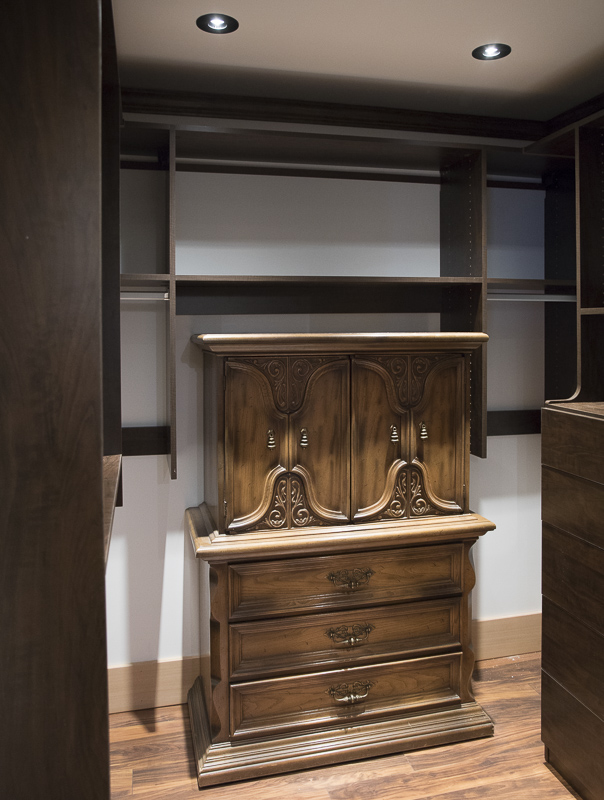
(401, 53)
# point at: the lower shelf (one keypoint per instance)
(225, 762)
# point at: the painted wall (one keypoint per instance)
(265, 225)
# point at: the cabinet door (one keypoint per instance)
(380, 446)
(438, 465)
(256, 442)
(319, 440)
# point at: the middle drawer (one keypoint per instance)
(311, 643)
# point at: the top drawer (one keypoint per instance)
(270, 588)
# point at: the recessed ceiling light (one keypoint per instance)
(491, 52)
(217, 23)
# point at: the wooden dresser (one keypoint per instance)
(573, 593)
(337, 529)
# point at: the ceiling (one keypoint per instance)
(413, 54)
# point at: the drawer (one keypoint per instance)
(271, 588)
(573, 576)
(573, 655)
(311, 643)
(582, 519)
(344, 697)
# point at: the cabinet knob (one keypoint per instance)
(394, 437)
(270, 441)
(350, 693)
(423, 431)
(304, 438)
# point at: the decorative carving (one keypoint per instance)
(300, 371)
(397, 509)
(350, 693)
(398, 369)
(421, 367)
(276, 517)
(351, 579)
(350, 635)
(420, 507)
(275, 370)
(288, 377)
(301, 515)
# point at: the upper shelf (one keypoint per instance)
(145, 145)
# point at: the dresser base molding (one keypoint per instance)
(226, 762)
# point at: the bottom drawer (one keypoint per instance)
(344, 697)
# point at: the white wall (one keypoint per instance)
(153, 595)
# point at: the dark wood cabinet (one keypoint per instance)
(337, 529)
(573, 588)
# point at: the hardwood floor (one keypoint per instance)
(152, 757)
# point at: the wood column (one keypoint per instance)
(53, 694)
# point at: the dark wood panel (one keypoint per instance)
(53, 691)
(463, 253)
(560, 340)
(146, 441)
(514, 423)
(145, 101)
(591, 357)
(575, 114)
(320, 297)
(560, 265)
(573, 736)
(112, 396)
(574, 505)
(573, 576)
(591, 209)
(573, 655)
(462, 215)
(573, 443)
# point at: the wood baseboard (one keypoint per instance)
(508, 636)
(151, 684)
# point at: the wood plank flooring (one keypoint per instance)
(152, 757)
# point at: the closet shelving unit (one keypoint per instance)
(175, 143)
(573, 485)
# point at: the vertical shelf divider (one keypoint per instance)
(171, 326)
(463, 254)
(589, 143)
(560, 265)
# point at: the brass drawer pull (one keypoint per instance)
(350, 635)
(270, 439)
(394, 437)
(303, 437)
(423, 431)
(350, 579)
(350, 694)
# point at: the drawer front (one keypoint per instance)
(573, 443)
(344, 697)
(311, 643)
(573, 504)
(573, 655)
(272, 588)
(573, 576)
